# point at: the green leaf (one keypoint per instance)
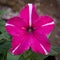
(5, 36)
(2, 26)
(4, 44)
(4, 47)
(55, 50)
(2, 41)
(2, 22)
(3, 33)
(22, 58)
(4, 55)
(29, 55)
(2, 12)
(35, 56)
(12, 57)
(1, 55)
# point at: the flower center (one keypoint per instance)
(30, 29)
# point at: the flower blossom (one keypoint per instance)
(29, 30)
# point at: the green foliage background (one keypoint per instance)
(5, 44)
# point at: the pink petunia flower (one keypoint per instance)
(29, 30)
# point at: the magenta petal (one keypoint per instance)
(15, 26)
(40, 44)
(35, 15)
(24, 14)
(44, 24)
(19, 45)
(26, 11)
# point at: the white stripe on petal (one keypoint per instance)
(44, 49)
(15, 49)
(48, 24)
(30, 14)
(7, 24)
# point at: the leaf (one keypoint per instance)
(22, 58)
(4, 55)
(4, 44)
(1, 55)
(5, 36)
(12, 57)
(2, 41)
(3, 33)
(2, 26)
(55, 50)
(29, 55)
(2, 22)
(4, 47)
(38, 56)
(2, 12)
